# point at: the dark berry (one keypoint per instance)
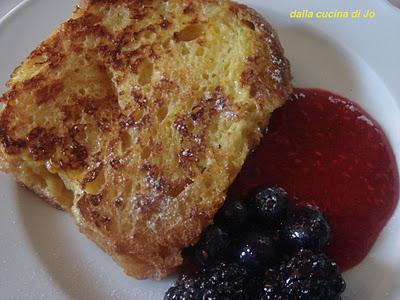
(269, 205)
(233, 215)
(307, 228)
(212, 246)
(268, 286)
(257, 252)
(306, 276)
(222, 281)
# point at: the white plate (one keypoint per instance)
(43, 256)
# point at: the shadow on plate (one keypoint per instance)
(75, 264)
(47, 229)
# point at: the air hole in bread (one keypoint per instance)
(145, 153)
(127, 188)
(80, 137)
(97, 94)
(147, 34)
(199, 51)
(126, 140)
(145, 72)
(137, 115)
(190, 125)
(96, 185)
(190, 32)
(87, 136)
(205, 76)
(166, 44)
(179, 188)
(249, 24)
(185, 50)
(40, 177)
(162, 113)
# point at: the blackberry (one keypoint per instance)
(233, 215)
(306, 276)
(269, 205)
(212, 246)
(269, 288)
(220, 282)
(307, 228)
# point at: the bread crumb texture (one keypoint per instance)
(136, 116)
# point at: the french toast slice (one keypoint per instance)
(136, 116)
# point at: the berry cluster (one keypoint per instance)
(261, 249)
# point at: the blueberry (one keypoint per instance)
(257, 252)
(212, 246)
(233, 215)
(306, 228)
(269, 205)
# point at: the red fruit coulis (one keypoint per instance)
(325, 150)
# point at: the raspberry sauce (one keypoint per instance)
(325, 150)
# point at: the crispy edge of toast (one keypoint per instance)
(102, 242)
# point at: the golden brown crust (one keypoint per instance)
(146, 110)
(51, 201)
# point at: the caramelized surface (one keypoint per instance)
(136, 116)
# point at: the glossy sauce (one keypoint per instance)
(324, 149)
